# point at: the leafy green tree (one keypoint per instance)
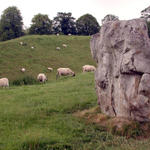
(87, 25)
(64, 23)
(11, 25)
(41, 24)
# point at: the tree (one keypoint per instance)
(11, 25)
(41, 24)
(87, 25)
(64, 23)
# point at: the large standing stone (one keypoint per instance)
(122, 78)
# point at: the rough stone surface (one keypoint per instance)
(122, 78)
(145, 13)
(108, 18)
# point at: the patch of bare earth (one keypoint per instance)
(116, 125)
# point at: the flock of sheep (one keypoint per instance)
(65, 72)
(4, 82)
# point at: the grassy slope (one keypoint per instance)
(41, 114)
(13, 56)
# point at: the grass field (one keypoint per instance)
(41, 116)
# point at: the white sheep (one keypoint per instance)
(57, 34)
(41, 77)
(23, 43)
(57, 48)
(23, 69)
(88, 68)
(4, 82)
(64, 72)
(32, 47)
(50, 69)
(64, 45)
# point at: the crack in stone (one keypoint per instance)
(112, 99)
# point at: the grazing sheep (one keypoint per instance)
(88, 68)
(23, 69)
(57, 34)
(23, 43)
(57, 48)
(32, 47)
(64, 45)
(4, 82)
(64, 72)
(41, 77)
(50, 69)
(69, 34)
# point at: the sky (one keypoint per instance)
(124, 9)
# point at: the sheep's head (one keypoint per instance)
(73, 74)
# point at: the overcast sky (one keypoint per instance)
(124, 9)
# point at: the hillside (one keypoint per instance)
(14, 56)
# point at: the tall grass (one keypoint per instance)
(27, 80)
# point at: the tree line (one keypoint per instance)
(11, 24)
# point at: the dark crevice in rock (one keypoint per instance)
(118, 44)
(131, 29)
(112, 100)
(132, 60)
(126, 50)
(107, 109)
(103, 84)
(148, 26)
(144, 92)
(135, 72)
